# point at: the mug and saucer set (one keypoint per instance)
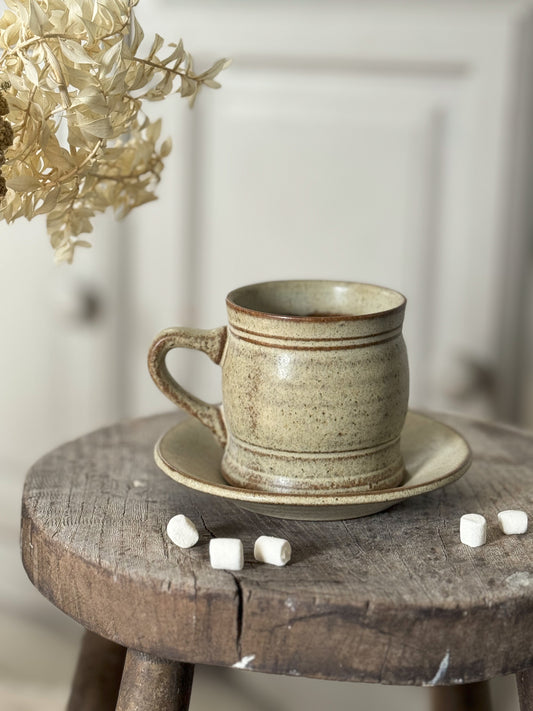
(314, 421)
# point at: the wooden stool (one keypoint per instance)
(391, 598)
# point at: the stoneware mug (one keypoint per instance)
(315, 385)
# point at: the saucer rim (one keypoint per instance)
(309, 499)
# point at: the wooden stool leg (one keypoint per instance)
(463, 697)
(151, 683)
(524, 682)
(97, 677)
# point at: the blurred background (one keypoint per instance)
(387, 142)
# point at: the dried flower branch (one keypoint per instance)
(74, 91)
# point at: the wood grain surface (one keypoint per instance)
(524, 681)
(392, 598)
(152, 683)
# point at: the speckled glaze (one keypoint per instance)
(314, 381)
(435, 455)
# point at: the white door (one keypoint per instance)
(369, 141)
(58, 363)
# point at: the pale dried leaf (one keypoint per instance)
(111, 56)
(166, 147)
(37, 19)
(156, 46)
(23, 183)
(31, 71)
(92, 98)
(49, 202)
(137, 35)
(189, 87)
(101, 128)
(74, 51)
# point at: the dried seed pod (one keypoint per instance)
(6, 134)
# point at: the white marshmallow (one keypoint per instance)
(513, 521)
(269, 549)
(226, 553)
(182, 531)
(473, 530)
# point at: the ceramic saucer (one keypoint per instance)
(434, 456)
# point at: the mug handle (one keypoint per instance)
(212, 343)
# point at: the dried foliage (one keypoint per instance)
(75, 80)
(6, 135)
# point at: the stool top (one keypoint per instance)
(394, 597)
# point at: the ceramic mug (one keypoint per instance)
(315, 385)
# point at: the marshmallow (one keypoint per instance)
(473, 530)
(276, 551)
(182, 531)
(226, 553)
(513, 521)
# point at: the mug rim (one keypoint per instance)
(319, 318)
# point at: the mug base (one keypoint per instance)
(362, 470)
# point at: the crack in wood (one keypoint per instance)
(239, 617)
(206, 526)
